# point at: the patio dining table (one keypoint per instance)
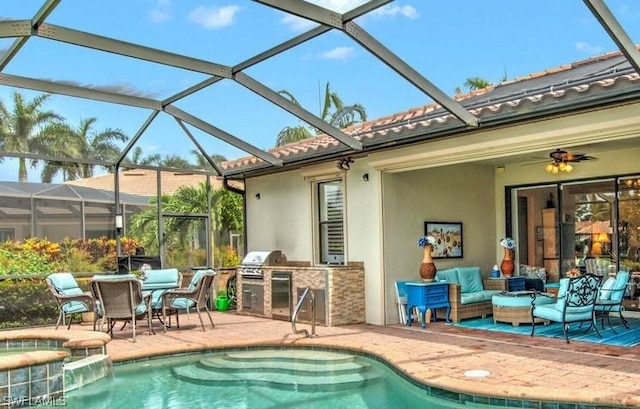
(155, 291)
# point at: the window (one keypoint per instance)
(7, 234)
(331, 222)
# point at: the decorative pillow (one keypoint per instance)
(533, 272)
(450, 275)
(470, 279)
(605, 290)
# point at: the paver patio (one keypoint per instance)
(520, 367)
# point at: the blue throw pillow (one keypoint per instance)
(450, 275)
(470, 279)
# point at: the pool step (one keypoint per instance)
(290, 370)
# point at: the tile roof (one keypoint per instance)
(538, 93)
(143, 181)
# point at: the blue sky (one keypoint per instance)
(446, 41)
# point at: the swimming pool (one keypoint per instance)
(256, 378)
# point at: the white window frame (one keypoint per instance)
(316, 222)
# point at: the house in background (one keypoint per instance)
(144, 182)
(516, 175)
(56, 211)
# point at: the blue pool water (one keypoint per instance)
(255, 379)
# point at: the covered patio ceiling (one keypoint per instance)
(37, 28)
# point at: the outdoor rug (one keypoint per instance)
(624, 337)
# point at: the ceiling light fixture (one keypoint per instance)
(557, 167)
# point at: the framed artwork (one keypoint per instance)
(448, 237)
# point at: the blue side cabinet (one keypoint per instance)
(427, 296)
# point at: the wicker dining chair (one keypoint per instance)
(121, 299)
(196, 296)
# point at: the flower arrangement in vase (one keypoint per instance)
(427, 267)
(507, 265)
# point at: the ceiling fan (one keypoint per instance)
(561, 161)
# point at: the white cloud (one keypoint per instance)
(338, 53)
(296, 23)
(214, 17)
(161, 12)
(159, 16)
(396, 10)
(338, 5)
(588, 48)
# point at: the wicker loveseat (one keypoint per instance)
(469, 295)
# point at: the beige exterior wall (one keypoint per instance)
(281, 218)
(462, 193)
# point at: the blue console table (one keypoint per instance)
(427, 296)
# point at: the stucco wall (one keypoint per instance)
(459, 193)
(282, 219)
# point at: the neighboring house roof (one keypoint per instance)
(144, 181)
(596, 81)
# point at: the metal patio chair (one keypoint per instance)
(611, 296)
(575, 303)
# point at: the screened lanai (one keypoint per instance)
(175, 77)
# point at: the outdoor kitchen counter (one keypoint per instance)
(339, 293)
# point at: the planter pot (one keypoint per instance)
(507, 266)
(427, 268)
(88, 317)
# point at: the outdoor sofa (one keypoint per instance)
(469, 295)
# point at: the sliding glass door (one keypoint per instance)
(629, 223)
(576, 226)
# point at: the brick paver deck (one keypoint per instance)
(521, 367)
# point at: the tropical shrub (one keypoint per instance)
(24, 261)
(227, 256)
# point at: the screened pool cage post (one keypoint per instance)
(119, 222)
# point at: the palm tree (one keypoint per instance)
(333, 111)
(475, 83)
(84, 143)
(138, 159)
(176, 161)
(201, 160)
(226, 215)
(19, 128)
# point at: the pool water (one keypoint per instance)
(255, 379)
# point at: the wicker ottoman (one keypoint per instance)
(515, 308)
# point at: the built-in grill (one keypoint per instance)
(252, 266)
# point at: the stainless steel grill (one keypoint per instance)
(253, 263)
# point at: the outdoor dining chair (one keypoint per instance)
(121, 299)
(575, 303)
(611, 296)
(69, 297)
(196, 296)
